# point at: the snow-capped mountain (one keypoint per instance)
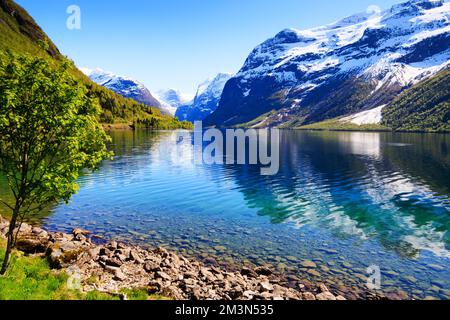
(125, 86)
(172, 99)
(206, 100)
(358, 63)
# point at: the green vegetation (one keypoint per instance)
(425, 107)
(49, 132)
(337, 125)
(31, 278)
(155, 123)
(20, 34)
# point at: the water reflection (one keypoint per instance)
(353, 184)
(361, 197)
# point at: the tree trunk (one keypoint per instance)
(10, 243)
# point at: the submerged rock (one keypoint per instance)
(118, 266)
(308, 264)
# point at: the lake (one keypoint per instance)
(342, 202)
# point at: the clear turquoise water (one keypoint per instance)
(343, 200)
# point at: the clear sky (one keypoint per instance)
(179, 43)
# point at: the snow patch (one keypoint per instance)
(373, 116)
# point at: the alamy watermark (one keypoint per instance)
(374, 279)
(373, 10)
(235, 147)
(73, 22)
(74, 280)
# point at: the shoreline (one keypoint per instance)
(113, 266)
(128, 127)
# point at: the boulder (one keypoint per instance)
(325, 296)
(323, 288)
(119, 275)
(113, 262)
(32, 244)
(236, 292)
(308, 296)
(263, 271)
(249, 294)
(151, 266)
(62, 255)
(4, 229)
(265, 286)
(112, 245)
(134, 255)
(105, 252)
(248, 272)
(78, 231)
(40, 232)
(154, 287)
(25, 229)
(163, 275)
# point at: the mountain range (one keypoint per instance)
(387, 68)
(126, 87)
(206, 99)
(359, 63)
(172, 99)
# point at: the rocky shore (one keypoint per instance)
(114, 266)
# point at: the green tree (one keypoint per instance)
(49, 132)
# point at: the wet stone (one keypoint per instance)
(314, 273)
(308, 264)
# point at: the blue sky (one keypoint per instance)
(179, 43)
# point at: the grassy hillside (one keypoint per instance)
(424, 107)
(337, 125)
(21, 34)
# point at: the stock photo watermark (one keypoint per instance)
(373, 10)
(374, 279)
(236, 147)
(73, 22)
(74, 280)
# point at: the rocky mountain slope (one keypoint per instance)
(206, 100)
(359, 63)
(125, 86)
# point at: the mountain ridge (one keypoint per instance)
(172, 99)
(206, 99)
(125, 86)
(355, 64)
